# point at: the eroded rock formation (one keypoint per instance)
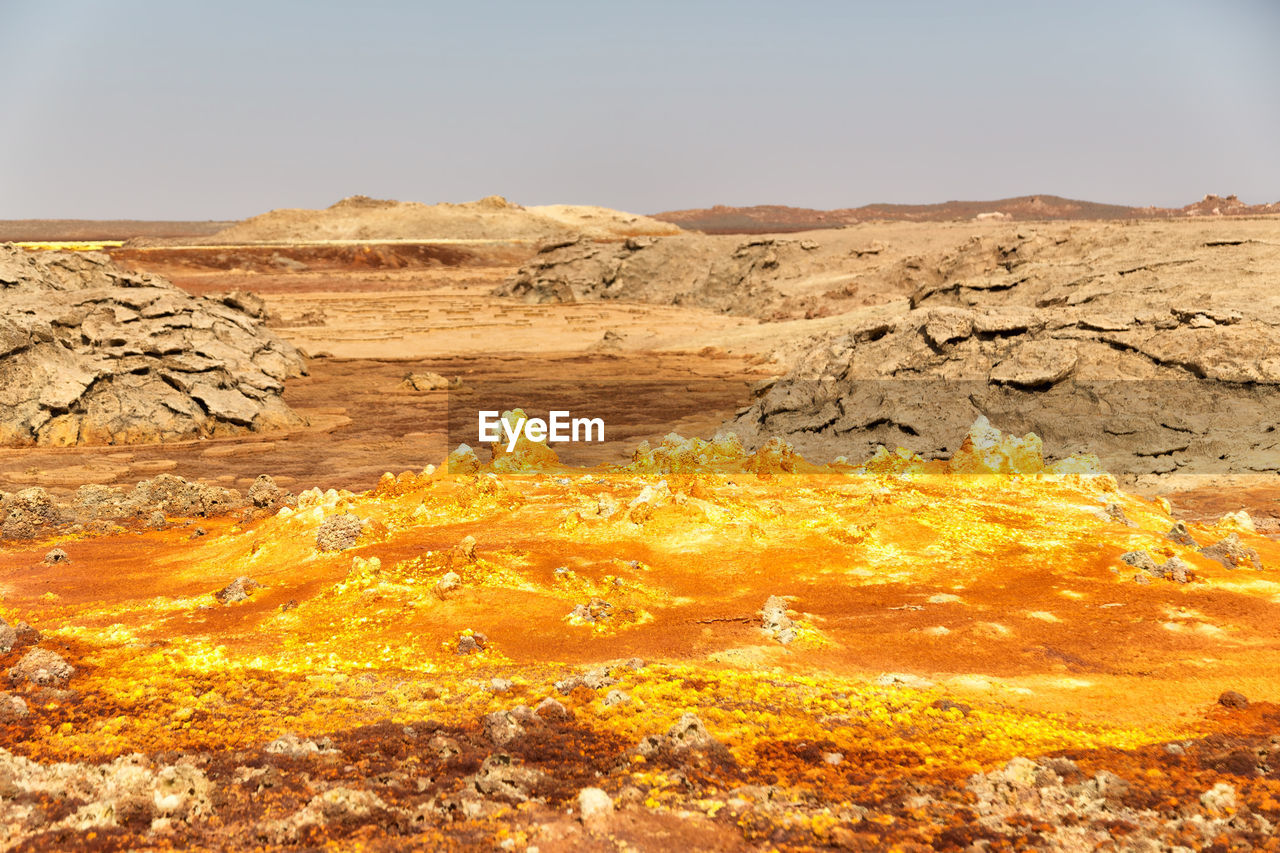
(93, 354)
(1152, 373)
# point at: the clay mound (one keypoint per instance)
(492, 218)
(93, 354)
(1155, 367)
(721, 274)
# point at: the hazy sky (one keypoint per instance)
(226, 109)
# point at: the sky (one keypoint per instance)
(221, 110)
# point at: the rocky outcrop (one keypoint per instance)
(722, 274)
(1130, 363)
(32, 513)
(93, 354)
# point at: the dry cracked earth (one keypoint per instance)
(865, 621)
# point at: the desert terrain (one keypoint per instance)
(919, 529)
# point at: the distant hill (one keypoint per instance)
(492, 218)
(65, 230)
(773, 218)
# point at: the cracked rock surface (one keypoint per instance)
(725, 274)
(93, 354)
(1157, 356)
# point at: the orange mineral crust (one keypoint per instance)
(704, 649)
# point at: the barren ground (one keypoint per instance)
(969, 660)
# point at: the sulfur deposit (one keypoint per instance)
(722, 648)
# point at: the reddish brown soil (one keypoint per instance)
(365, 424)
(173, 261)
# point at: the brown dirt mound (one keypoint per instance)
(492, 218)
(92, 354)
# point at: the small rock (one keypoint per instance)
(444, 747)
(339, 532)
(833, 758)
(597, 611)
(617, 697)
(1220, 799)
(463, 460)
(1036, 364)
(568, 685)
(264, 492)
(42, 668)
(236, 591)
(611, 340)
(1242, 519)
(1176, 570)
(12, 707)
(1173, 569)
(947, 705)
(551, 709)
(501, 685)
(598, 678)
(1232, 553)
(775, 621)
(424, 382)
(448, 583)
(947, 325)
(1232, 699)
(690, 733)
(502, 727)
(1116, 512)
(292, 746)
(157, 520)
(1140, 560)
(25, 514)
(467, 548)
(501, 778)
(594, 805)
(57, 555)
(1179, 534)
(473, 643)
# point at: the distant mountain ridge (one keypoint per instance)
(772, 218)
